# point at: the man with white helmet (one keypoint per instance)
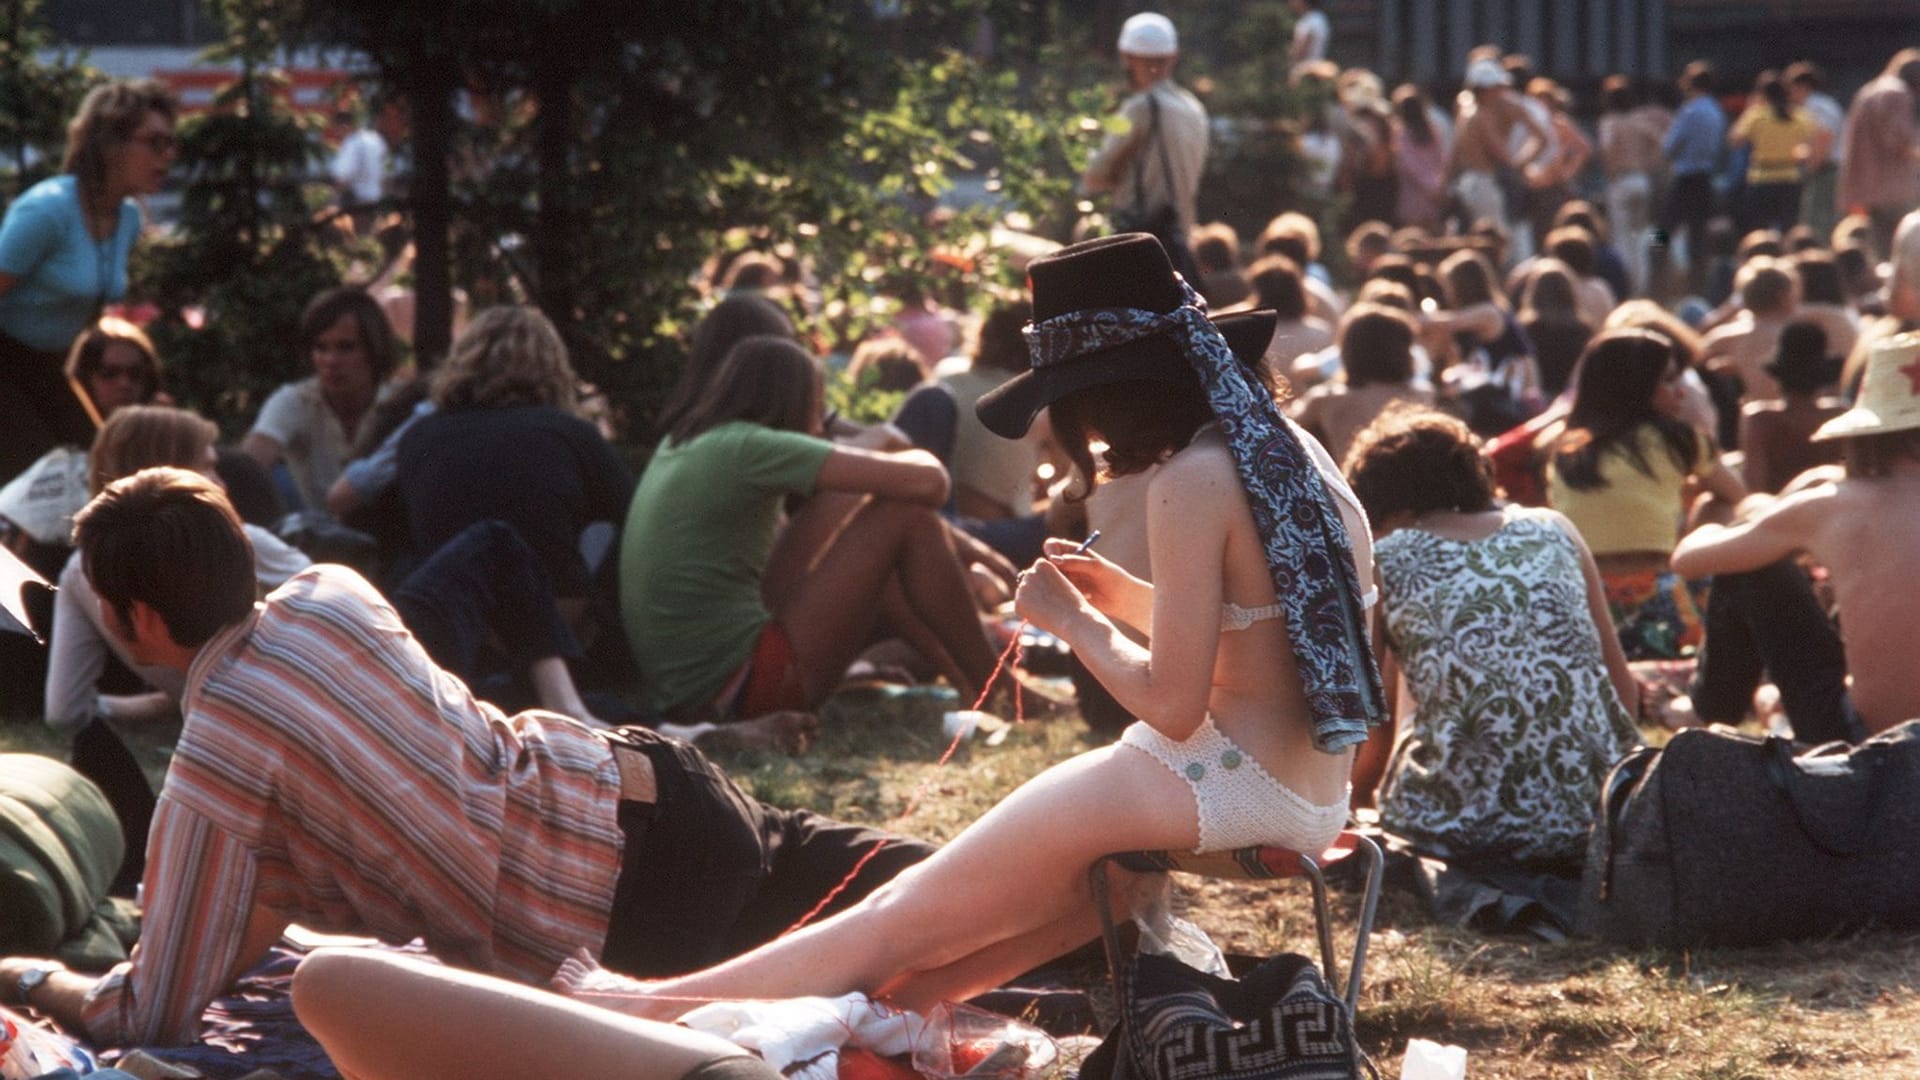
(1153, 167)
(1484, 150)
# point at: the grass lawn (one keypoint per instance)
(1848, 1007)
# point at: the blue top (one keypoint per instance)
(66, 275)
(1694, 138)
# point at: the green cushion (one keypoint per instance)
(60, 847)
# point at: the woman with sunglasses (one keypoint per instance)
(63, 257)
(114, 364)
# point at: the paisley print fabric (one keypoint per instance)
(1308, 551)
(1516, 722)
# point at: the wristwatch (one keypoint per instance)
(31, 979)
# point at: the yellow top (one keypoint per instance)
(1634, 511)
(1773, 142)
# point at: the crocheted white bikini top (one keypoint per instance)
(1235, 617)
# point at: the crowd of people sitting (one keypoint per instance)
(1391, 529)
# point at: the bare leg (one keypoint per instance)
(381, 1016)
(898, 617)
(995, 964)
(553, 684)
(1017, 876)
(830, 609)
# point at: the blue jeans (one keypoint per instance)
(484, 584)
(1769, 620)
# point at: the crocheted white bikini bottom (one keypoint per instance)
(1240, 803)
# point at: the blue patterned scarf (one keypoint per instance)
(1307, 547)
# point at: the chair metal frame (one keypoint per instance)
(1255, 863)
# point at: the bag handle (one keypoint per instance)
(1850, 840)
(1153, 137)
(1623, 780)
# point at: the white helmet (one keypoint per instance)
(1149, 34)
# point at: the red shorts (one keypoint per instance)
(770, 680)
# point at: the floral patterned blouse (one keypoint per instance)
(1516, 720)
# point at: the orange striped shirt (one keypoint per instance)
(329, 771)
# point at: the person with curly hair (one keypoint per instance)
(504, 442)
(1495, 614)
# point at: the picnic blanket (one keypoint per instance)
(250, 1032)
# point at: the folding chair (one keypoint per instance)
(1248, 864)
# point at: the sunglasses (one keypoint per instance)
(134, 372)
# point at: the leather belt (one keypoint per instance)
(636, 775)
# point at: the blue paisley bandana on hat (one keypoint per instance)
(1308, 551)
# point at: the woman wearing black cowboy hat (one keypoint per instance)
(1252, 696)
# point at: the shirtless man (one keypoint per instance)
(1860, 526)
(1483, 150)
(1630, 156)
(1769, 291)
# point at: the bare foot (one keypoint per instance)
(788, 732)
(582, 978)
(871, 671)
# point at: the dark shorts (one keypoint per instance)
(733, 1067)
(709, 872)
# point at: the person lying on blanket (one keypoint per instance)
(329, 773)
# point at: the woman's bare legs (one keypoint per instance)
(1008, 893)
(1004, 960)
(380, 1015)
(829, 571)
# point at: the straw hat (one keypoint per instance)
(1890, 396)
(1130, 270)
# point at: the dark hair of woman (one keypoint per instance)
(1413, 460)
(1856, 271)
(1819, 278)
(1644, 314)
(89, 350)
(1771, 87)
(1142, 421)
(731, 321)
(1398, 269)
(765, 380)
(1613, 398)
(1001, 346)
(1758, 242)
(1574, 246)
(1411, 105)
(1277, 284)
(1386, 293)
(1616, 94)
(1376, 345)
(1469, 281)
(1550, 314)
(1803, 237)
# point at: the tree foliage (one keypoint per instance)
(36, 96)
(247, 253)
(626, 144)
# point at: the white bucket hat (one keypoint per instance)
(1149, 34)
(1485, 74)
(1890, 395)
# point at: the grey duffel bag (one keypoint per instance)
(1722, 839)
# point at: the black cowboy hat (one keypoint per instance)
(1130, 270)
